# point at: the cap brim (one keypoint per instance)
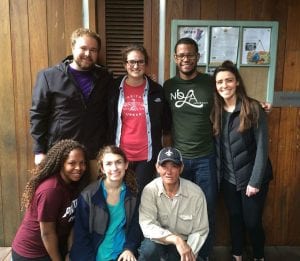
(177, 162)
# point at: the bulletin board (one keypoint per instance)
(251, 45)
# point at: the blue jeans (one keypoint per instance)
(152, 251)
(202, 171)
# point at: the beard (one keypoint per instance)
(84, 64)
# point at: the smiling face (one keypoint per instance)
(226, 85)
(85, 53)
(186, 59)
(135, 65)
(73, 167)
(114, 167)
(169, 172)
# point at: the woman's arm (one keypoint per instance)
(82, 247)
(50, 240)
(261, 157)
(69, 245)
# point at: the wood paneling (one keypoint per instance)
(21, 96)
(209, 10)
(35, 35)
(7, 129)
(73, 20)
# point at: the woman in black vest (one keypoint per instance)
(244, 170)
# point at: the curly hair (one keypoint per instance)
(129, 178)
(249, 113)
(51, 165)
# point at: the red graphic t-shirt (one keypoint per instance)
(134, 140)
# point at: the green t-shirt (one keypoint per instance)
(191, 102)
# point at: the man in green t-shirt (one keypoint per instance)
(190, 97)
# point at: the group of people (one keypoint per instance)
(154, 159)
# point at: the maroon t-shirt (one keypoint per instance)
(53, 201)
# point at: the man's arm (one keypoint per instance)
(167, 125)
(148, 215)
(200, 227)
(183, 248)
(39, 114)
(167, 140)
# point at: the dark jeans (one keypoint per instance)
(145, 172)
(152, 251)
(17, 257)
(202, 171)
(245, 214)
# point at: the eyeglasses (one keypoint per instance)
(187, 56)
(132, 63)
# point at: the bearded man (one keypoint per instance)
(70, 99)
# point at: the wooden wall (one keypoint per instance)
(35, 34)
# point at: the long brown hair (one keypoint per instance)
(249, 112)
(129, 177)
(50, 166)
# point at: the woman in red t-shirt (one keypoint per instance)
(139, 114)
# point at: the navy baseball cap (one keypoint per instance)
(169, 154)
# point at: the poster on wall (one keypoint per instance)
(256, 46)
(224, 44)
(200, 35)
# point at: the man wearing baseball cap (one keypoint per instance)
(173, 213)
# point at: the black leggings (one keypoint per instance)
(245, 215)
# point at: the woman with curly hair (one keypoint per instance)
(244, 170)
(106, 222)
(50, 200)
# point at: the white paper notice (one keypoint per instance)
(224, 44)
(256, 45)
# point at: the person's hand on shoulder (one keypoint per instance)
(266, 106)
